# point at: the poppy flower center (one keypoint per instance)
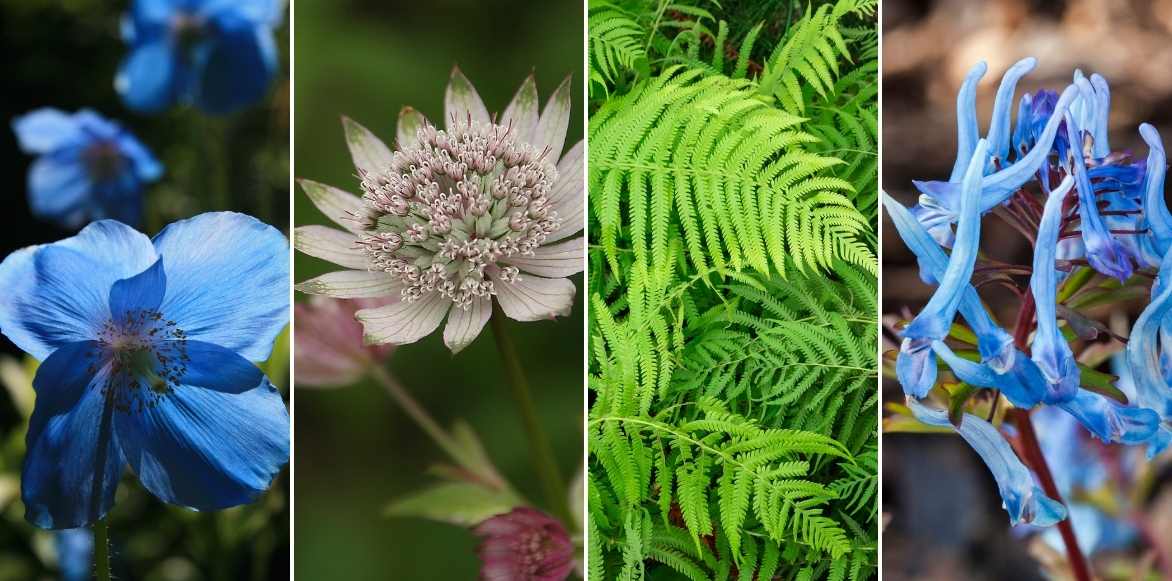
(147, 358)
(104, 160)
(454, 206)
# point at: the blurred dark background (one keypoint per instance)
(355, 450)
(65, 54)
(945, 517)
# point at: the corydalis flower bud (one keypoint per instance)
(524, 545)
(330, 352)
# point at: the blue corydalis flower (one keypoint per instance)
(1152, 389)
(88, 167)
(146, 350)
(217, 55)
(934, 321)
(1104, 253)
(1155, 207)
(1050, 350)
(995, 345)
(1023, 499)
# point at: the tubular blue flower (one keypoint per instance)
(1023, 385)
(146, 349)
(217, 55)
(999, 126)
(935, 319)
(1152, 390)
(1050, 350)
(998, 186)
(1023, 499)
(1102, 147)
(1104, 253)
(1155, 207)
(967, 131)
(1034, 112)
(88, 167)
(995, 345)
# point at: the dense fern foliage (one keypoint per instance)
(732, 429)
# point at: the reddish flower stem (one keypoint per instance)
(1032, 451)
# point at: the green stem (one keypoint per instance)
(417, 413)
(541, 451)
(101, 550)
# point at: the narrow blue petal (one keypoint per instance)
(995, 345)
(1050, 350)
(999, 127)
(238, 68)
(205, 449)
(64, 454)
(152, 76)
(916, 367)
(936, 317)
(1159, 442)
(1110, 421)
(45, 130)
(966, 120)
(227, 281)
(1102, 147)
(146, 167)
(58, 293)
(59, 187)
(1021, 131)
(1104, 253)
(1023, 499)
(218, 369)
(1143, 346)
(1023, 385)
(141, 292)
(1156, 212)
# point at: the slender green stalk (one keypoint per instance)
(544, 462)
(417, 413)
(101, 550)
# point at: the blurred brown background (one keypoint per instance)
(945, 518)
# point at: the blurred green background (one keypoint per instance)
(354, 450)
(64, 54)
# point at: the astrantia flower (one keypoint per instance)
(146, 349)
(219, 56)
(524, 545)
(330, 352)
(89, 167)
(456, 218)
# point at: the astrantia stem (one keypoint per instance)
(542, 452)
(102, 550)
(417, 413)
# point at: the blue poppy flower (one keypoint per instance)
(88, 167)
(218, 55)
(1024, 500)
(146, 350)
(75, 553)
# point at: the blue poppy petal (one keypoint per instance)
(59, 187)
(1050, 350)
(152, 76)
(205, 449)
(119, 198)
(216, 368)
(64, 452)
(1023, 499)
(1110, 421)
(227, 281)
(935, 318)
(999, 126)
(45, 130)
(260, 12)
(141, 292)
(1155, 206)
(57, 294)
(237, 68)
(967, 132)
(75, 552)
